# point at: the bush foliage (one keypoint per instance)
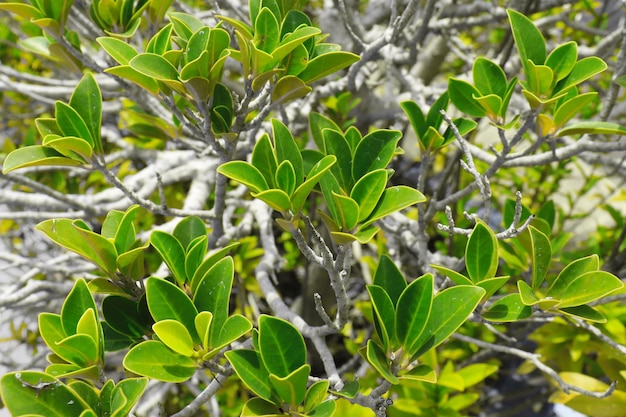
(260, 218)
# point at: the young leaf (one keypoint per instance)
(379, 361)
(71, 123)
(302, 192)
(289, 88)
(481, 253)
(347, 211)
(450, 309)
(572, 107)
(583, 70)
(155, 360)
(594, 128)
(281, 346)
(336, 144)
(234, 327)
(175, 336)
(264, 160)
(315, 395)
(126, 394)
(286, 178)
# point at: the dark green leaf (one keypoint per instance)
(167, 301)
(172, 253)
(384, 312)
(188, 229)
(317, 123)
(122, 314)
(287, 150)
(266, 31)
(413, 311)
(389, 277)
(462, 94)
(292, 388)
(264, 160)
(451, 308)
(281, 346)
(71, 123)
(541, 256)
(562, 60)
(378, 359)
(87, 101)
(481, 253)
(489, 78)
(250, 369)
(335, 144)
(374, 152)
(529, 41)
(416, 117)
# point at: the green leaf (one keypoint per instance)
(292, 388)
(584, 312)
(572, 107)
(336, 144)
(481, 253)
(491, 285)
(172, 253)
(175, 336)
(264, 160)
(374, 152)
(347, 210)
(488, 77)
(155, 360)
(529, 298)
(36, 156)
(317, 123)
(125, 71)
(384, 312)
(434, 118)
(154, 66)
(539, 80)
(395, 199)
(572, 271)
(376, 357)
(234, 327)
(244, 173)
(302, 192)
(389, 277)
(71, 123)
(423, 373)
(462, 94)
(596, 128)
(289, 88)
(507, 309)
(450, 309)
(367, 191)
(541, 251)
(316, 393)
(266, 31)
(326, 64)
(413, 312)
(188, 229)
(23, 10)
(250, 369)
(492, 105)
(203, 326)
(126, 394)
(77, 302)
(287, 150)
(588, 287)
(416, 117)
(293, 40)
(167, 301)
(119, 50)
(213, 294)
(87, 101)
(583, 70)
(207, 264)
(286, 178)
(259, 407)
(563, 59)
(456, 277)
(53, 400)
(281, 346)
(528, 39)
(78, 349)
(195, 255)
(70, 146)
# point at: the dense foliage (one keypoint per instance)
(311, 209)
